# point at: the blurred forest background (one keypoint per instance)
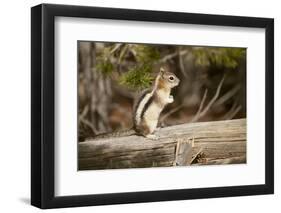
(111, 75)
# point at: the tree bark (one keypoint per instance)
(97, 90)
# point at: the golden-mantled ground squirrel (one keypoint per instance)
(151, 103)
(148, 107)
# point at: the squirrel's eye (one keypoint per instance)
(171, 78)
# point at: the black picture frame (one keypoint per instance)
(43, 102)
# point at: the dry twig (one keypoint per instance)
(227, 95)
(200, 114)
(196, 117)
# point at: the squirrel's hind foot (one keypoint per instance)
(152, 137)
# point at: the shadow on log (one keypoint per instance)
(219, 142)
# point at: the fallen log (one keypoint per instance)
(218, 142)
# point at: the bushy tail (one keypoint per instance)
(121, 133)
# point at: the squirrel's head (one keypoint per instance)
(169, 79)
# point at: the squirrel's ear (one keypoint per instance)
(162, 71)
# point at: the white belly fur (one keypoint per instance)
(151, 116)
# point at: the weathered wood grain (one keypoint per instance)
(177, 145)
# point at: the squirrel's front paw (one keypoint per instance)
(170, 99)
